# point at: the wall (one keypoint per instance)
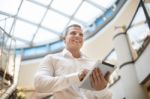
(26, 74)
(142, 65)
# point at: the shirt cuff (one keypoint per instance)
(74, 79)
(102, 92)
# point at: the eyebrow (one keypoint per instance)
(75, 31)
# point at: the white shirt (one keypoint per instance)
(57, 75)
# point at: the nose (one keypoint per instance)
(78, 35)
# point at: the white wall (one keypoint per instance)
(142, 65)
(26, 74)
(117, 91)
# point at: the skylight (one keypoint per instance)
(37, 22)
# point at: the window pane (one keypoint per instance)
(24, 30)
(137, 35)
(6, 22)
(140, 17)
(20, 44)
(139, 30)
(103, 3)
(55, 21)
(88, 13)
(10, 6)
(31, 12)
(10, 43)
(66, 6)
(44, 37)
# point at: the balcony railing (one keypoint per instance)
(8, 65)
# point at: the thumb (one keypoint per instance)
(83, 74)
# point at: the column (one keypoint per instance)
(129, 82)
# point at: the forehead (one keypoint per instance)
(78, 29)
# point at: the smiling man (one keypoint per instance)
(60, 74)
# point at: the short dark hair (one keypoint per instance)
(67, 29)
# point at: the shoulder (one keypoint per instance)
(54, 56)
(86, 57)
(50, 59)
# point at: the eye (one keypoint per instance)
(73, 33)
(81, 34)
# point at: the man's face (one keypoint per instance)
(74, 38)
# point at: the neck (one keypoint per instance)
(75, 52)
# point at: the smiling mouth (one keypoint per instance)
(76, 41)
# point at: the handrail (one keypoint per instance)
(7, 49)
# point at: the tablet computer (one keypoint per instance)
(103, 66)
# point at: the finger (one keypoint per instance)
(100, 74)
(81, 77)
(102, 78)
(82, 74)
(92, 81)
(97, 73)
(94, 76)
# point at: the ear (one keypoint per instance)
(64, 38)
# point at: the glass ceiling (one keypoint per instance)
(40, 22)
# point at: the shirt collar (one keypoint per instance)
(65, 52)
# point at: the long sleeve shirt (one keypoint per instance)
(57, 75)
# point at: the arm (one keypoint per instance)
(45, 81)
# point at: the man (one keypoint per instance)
(60, 74)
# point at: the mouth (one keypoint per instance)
(77, 41)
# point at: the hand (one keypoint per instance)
(83, 74)
(98, 80)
